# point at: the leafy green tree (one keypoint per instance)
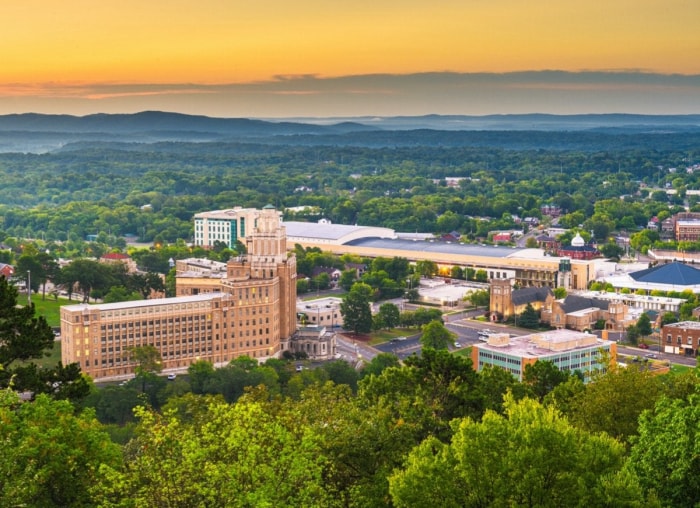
(114, 404)
(479, 297)
(200, 374)
(427, 268)
(529, 318)
(427, 393)
(665, 456)
(120, 294)
(611, 250)
(390, 315)
(632, 334)
(669, 318)
(529, 457)
(614, 402)
(341, 372)
(356, 310)
(644, 325)
(542, 377)
(242, 456)
(148, 363)
(51, 455)
(559, 293)
(436, 336)
(378, 364)
(495, 383)
(25, 337)
(347, 279)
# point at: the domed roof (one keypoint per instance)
(577, 241)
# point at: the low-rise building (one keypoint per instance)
(321, 312)
(316, 342)
(569, 351)
(681, 338)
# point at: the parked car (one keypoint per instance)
(644, 346)
(458, 345)
(171, 377)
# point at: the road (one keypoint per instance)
(467, 332)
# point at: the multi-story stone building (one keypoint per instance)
(226, 226)
(687, 226)
(250, 311)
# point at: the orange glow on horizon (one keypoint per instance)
(214, 41)
(81, 56)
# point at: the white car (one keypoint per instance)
(171, 377)
(458, 345)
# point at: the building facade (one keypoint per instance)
(250, 311)
(316, 342)
(681, 338)
(321, 312)
(226, 226)
(568, 350)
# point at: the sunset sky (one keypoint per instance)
(273, 58)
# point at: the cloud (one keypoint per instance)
(549, 91)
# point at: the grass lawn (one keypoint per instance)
(678, 369)
(49, 308)
(465, 351)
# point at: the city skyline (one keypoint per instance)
(310, 58)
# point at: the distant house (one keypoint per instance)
(578, 249)
(546, 242)
(6, 270)
(502, 237)
(452, 236)
(550, 210)
(358, 267)
(114, 258)
(333, 273)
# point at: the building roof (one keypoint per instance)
(530, 294)
(202, 297)
(542, 345)
(436, 246)
(336, 233)
(116, 256)
(678, 274)
(576, 303)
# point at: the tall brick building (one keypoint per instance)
(250, 311)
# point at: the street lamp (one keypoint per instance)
(29, 288)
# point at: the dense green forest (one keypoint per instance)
(152, 190)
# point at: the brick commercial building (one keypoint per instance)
(681, 338)
(250, 311)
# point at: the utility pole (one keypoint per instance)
(29, 287)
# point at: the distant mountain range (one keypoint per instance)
(41, 133)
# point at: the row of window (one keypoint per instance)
(679, 340)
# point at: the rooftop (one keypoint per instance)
(143, 303)
(441, 247)
(546, 344)
(693, 325)
(675, 273)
